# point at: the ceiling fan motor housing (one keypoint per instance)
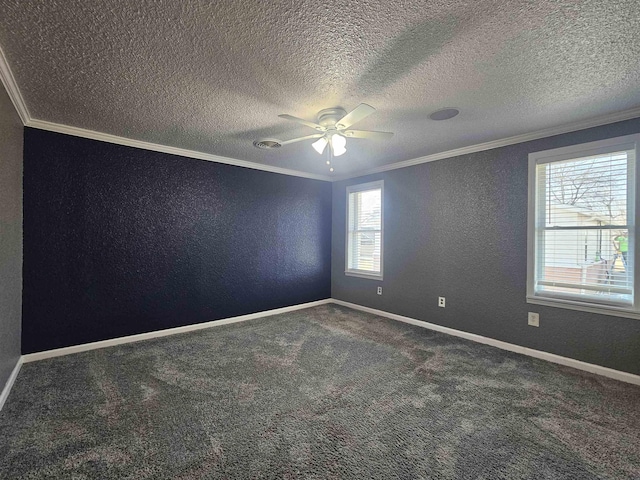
(330, 116)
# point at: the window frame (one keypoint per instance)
(600, 147)
(363, 187)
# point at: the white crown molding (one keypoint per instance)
(9, 82)
(10, 381)
(59, 352)
(480, 147)
(504, 142)
(156, 147)
(11, 86)
(530, 352)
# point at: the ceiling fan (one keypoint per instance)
(333, 129)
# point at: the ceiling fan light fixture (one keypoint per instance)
(338, 144)
(320, 144)
(334, 123)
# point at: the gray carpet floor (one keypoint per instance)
(321, 393)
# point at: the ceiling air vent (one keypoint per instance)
(267, 143)
(444, 114)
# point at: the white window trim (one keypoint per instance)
(627, 142)
(361, 273)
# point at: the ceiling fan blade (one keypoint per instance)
(303, 122)
(368, 134)
(300, 139)
(360, 112)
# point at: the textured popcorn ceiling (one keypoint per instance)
(213, 76)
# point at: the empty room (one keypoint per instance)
(319, 240)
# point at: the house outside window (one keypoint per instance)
(364, 242)
(582, 241)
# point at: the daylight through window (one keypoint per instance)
(583, 233)
(364, 230)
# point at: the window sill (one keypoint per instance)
(370, 276)
(584, 307)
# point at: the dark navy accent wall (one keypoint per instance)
(119, 241)
(458, 228)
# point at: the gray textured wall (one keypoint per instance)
(11, 132)
(458, 228)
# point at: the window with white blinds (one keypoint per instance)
(364, 230)
(582, 225)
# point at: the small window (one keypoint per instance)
(364, 230)
(582, 218)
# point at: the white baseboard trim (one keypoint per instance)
(12, 378)
(550, 357)
(58, 352)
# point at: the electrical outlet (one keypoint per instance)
(534, 319)
(441, 302)
(379, 290)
